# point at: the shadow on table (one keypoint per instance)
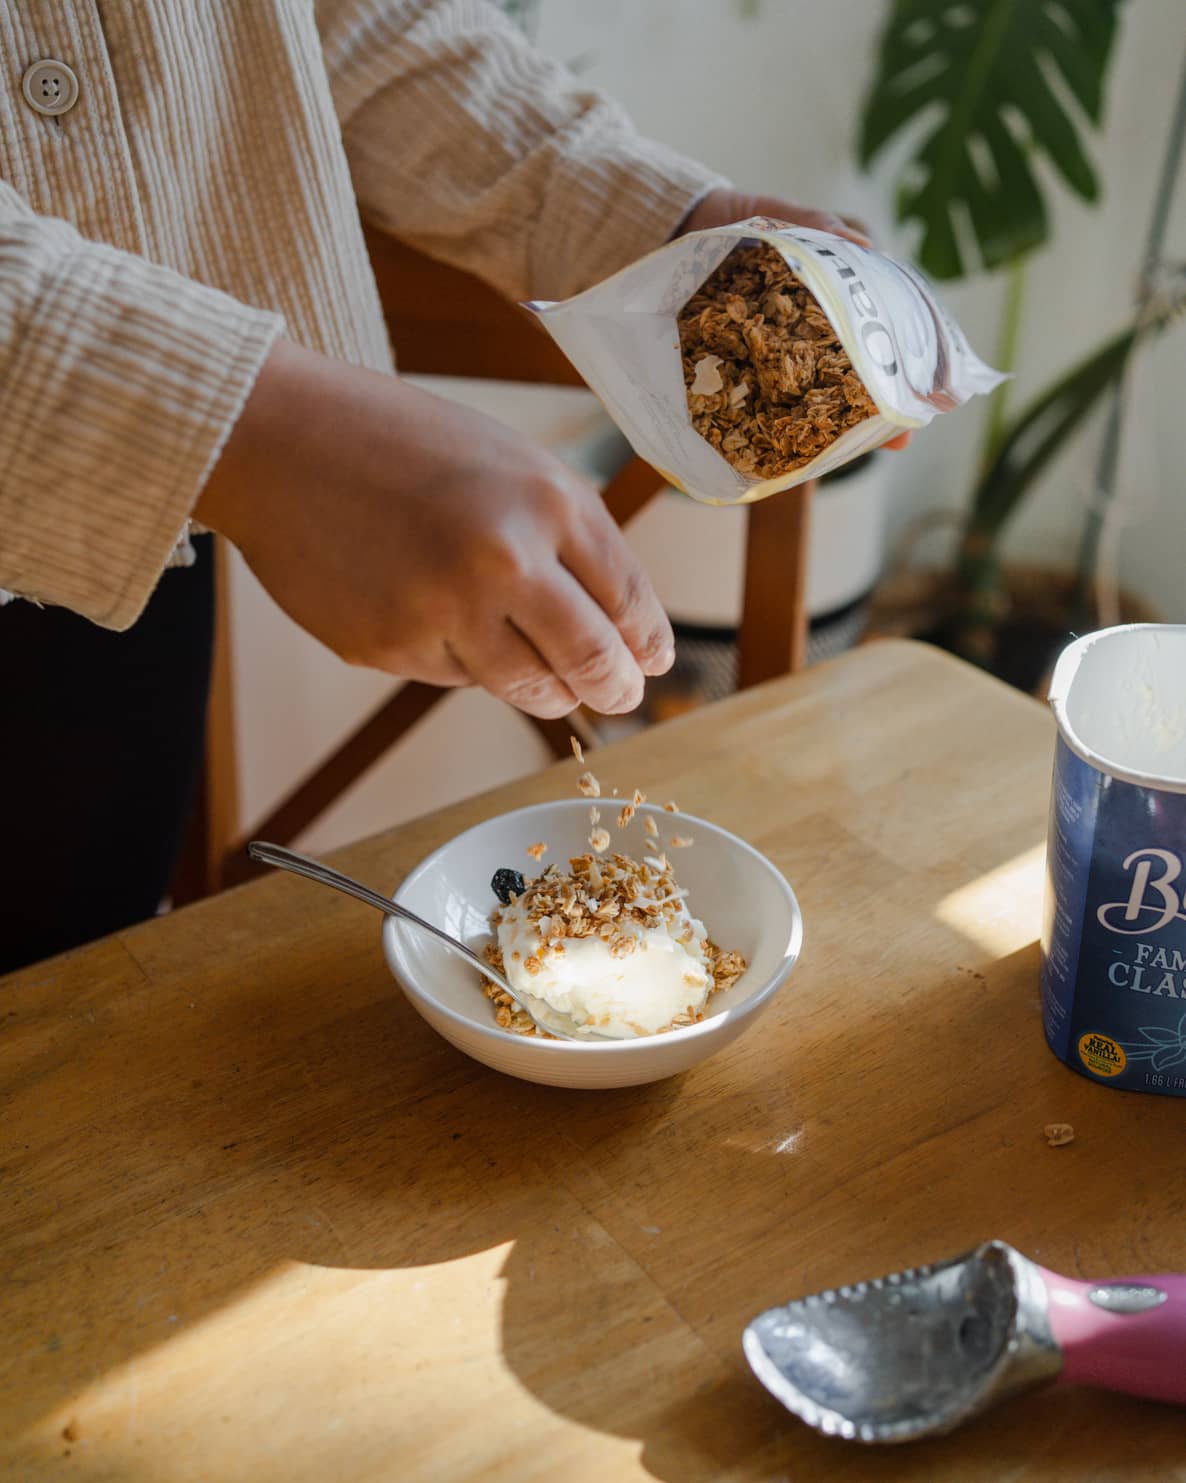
(366, 1142)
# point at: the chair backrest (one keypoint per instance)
(444, 322)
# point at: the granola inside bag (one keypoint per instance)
(768, 383)
(744, 359)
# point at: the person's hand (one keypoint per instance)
(720, 207)
(418, 537)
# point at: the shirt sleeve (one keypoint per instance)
(119, 383)
(466, 142)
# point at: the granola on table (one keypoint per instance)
(768, 383)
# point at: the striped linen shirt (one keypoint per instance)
(204, 194)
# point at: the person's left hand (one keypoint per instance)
(722, 206)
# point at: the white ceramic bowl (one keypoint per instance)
(742, 899)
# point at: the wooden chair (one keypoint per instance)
(445, 322)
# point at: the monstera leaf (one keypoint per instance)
(991, 84)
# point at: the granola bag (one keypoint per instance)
(744, 359)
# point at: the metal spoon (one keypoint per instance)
(314, 870)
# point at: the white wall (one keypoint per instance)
(785, 88)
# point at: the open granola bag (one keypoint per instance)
(744, 359)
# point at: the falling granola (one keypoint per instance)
(768, 383)
(611, 944)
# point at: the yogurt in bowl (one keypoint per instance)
(609, 944)
(741, 896)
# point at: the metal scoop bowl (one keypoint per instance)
(917, 1353)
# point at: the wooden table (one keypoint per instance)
(257, 1222)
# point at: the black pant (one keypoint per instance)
(100, 741)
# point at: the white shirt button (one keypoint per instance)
(50, 87)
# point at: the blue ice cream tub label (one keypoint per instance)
(1114, 923)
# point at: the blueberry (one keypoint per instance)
(507, 882)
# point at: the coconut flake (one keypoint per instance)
(707, 380)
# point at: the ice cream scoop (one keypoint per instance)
(921, 1351)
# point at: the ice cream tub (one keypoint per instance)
(1114, 923)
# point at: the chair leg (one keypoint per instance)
(194, 876)
(773, 635)
(410, 703)
(215, 815)
(633, 486)
(556, 734)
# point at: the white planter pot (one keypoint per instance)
(696, 553)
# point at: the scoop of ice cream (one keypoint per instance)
(611, 945)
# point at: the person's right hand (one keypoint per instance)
(415, 536)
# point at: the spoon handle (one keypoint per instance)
(325, 875)
(314, 870)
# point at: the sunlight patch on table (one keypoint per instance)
(417, 1364)
(1001, 910)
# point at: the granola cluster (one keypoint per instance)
(602, 898)
(768, 383)
(601, 839)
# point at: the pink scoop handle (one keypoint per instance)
(1143, 1353)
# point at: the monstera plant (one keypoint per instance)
(987, 92)
(977, 80)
